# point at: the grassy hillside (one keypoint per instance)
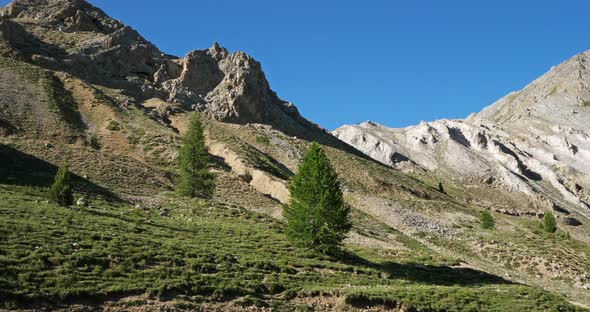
(213, 255)
(223, 254)
(447, 222)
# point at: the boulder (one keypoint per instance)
(82, 201)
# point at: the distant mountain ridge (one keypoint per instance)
(533, 143)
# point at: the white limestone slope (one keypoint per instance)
(533, 143)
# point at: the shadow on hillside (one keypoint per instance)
(219, 163)
(19, 168)
(265, 162)
(430, 274)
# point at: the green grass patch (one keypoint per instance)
(214, 252)
(454, 298)
(113, 126)
(264, 140)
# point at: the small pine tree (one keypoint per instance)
(194, 178)
(316, 217)
(487, 220)
(61, 190)
(441, 187)
(549, 223)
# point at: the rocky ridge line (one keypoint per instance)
(533, 144)
(230, 87)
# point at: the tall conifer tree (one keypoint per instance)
(316, 216)
(194, 178)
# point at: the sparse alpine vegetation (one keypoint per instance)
(487, 220)
(549, 223)
(60, 191)
(234, 208)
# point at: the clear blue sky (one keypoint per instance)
(393, 62)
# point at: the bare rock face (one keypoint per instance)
(201, 72)
(110, 52)
(229, 87)
(244, 93)
(67, 15)
(188, 80)
(533, 143)
(121, 54)
(559, 97)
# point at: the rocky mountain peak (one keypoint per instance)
(229, 87)
(369, 123)
(67, 15)
(217, 52)
(557, 97)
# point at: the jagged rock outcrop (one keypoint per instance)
(66, 15)
(534, 142)
(200, 69)
(123, 53)
(229, 87)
